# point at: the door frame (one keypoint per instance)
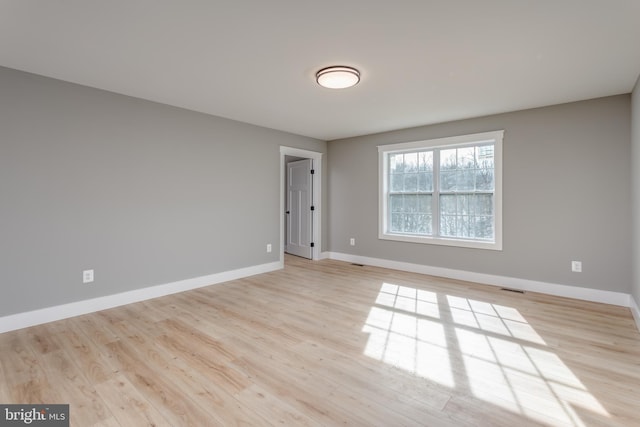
(317, 196)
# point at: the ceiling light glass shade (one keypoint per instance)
(338, 77)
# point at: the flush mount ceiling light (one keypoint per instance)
(338, 77)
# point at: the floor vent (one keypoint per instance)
(357, 265)
(517, 291)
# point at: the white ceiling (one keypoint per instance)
(422, 62)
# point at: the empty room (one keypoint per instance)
(356, 213)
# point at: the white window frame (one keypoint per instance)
(441, 143)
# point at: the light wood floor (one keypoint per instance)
(329, 343)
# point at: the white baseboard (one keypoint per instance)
(595, 295)
(635, 310)
(51, 314)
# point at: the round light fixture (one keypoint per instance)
(338, 77)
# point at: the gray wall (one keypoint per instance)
(141, 192)
(635, 162)
(566, 196)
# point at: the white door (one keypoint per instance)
(300, 208)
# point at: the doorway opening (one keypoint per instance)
(300, 202)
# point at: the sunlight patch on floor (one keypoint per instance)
(400, 338)
(498, 356)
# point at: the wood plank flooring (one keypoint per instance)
(329, 343)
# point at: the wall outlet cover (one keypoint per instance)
(576, 266)
(87, 276)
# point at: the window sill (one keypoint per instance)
(461, 243)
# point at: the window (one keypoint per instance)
(445, 191)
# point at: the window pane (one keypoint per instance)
(448, 180)
(473, 168)
(396, 203)
(483, 204)
(424, 224)
(467, 216)
(462, 205)
(397, 182)
(483, 227)
(417, 224)
(396, 222)
(466, 158)
(424, 204)
(396, 163)
(411, 182)
(448, 225)
(411, 162)
(463, 223)
(423, 184)
(411, 203)
(448, 204)
(484, 179)
(425, 161)
(410, 213)
(485, 157)
(410, 223)
(448, 159)
(465, 180)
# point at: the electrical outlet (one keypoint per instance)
(352, 241)
(87, 276)
(268, 247)
(576, 266)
